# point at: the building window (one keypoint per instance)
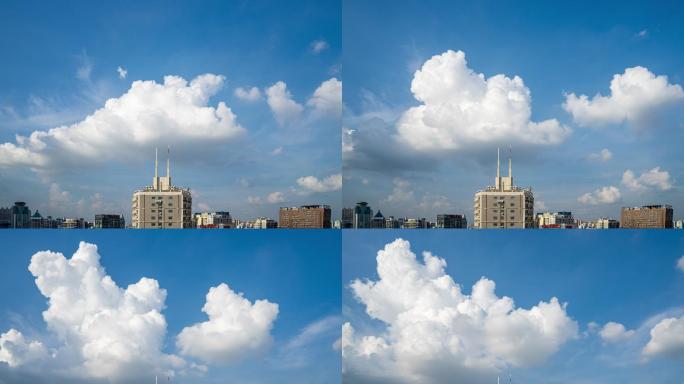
(153, 224)
(170, 210)
(170, 205)
(154, 211)
(170, 217)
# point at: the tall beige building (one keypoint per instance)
(161, 205)
(504, 205)
(648, 216)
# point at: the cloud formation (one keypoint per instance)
(236, 328)
(436, 333)
(613, 332)
(284, 108)
(272, 198)
(319, 46)
(15, 350)
(605, 195)
(149, 112)
(460, 108)
(667, 339)
(636, 96)
(327, 99)
(655, 178)
(251, 94)
(122, 72)
(603, 155)
(680, 264)
(313, 184)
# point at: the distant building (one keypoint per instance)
(410, 223)
(347, 218)
(378, 221)
(106, 221)
(220, 219)
(392, 223)
(362, 215)
(606, 223)
(561, 219)
(306, 216)
(161, 205)
(679, 224)
(69, 223)
(265, 223)
(648, 216)
(16, 216)
(504, 205)
(451, 221)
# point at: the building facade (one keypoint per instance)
(451, 221)
(606, 223)
(108, 221)
(648, 216)
(561, 219)
(362, 215)
(306, 216)
(220, 219)
(503, 205)
(347, 218)
(16, 216)
(264, 223)
(161, 205)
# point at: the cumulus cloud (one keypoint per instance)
(284, 108)
(251, 94)
(655, 178)
(236, 328)
(175, 111)
(613, 332)
(313, 184)
(680, 263)
(319, 46)
(636, 96)
(603, 155)
(272, 198)
(122, 72)
(460, 108)
(105, 331)
(667, 339)
(436, 333)
(605, 195)
(401, 192)
(327, 98)
(15, 350)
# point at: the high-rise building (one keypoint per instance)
(606, 223)
(220, 219)
(73, 223)
(265, 223)
(648, 216)
(451, 221)
(306, 216)
(16, 216)
(362, 215)
(161, 205)
(378, 221)
(561, 219)
(504, 205)
(347, 218)
(108, 221)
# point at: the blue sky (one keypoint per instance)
(557, 50)
(628, 277)
(60, 65)
(301, 274)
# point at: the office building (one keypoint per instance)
(362, 215)
(220, 219)
(561, 219)
(161, 205)
(606, 223)
(16, 216)
(648, 216)
(451, 221)
(264, 223)
(306, 216)
(347, 218)
(108, 221)
(378, 221)
(504, 205)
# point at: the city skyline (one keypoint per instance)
(590, 102)
(250, 129)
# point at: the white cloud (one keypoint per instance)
(15, 350)
(654, 178)
(401, 192)
(434, 332)
(319, 46)
(284, 108)
(329, 184)
(277, 151)
(122, 72)
(641, 34)
(667, 339)
(603, 155)
(272, 198)
(103, 330)
(57, 197)
(148, 113)
(635, 96)
(252, 94)
(236, 328)
(460, 108)
(613, 332)
(313, 331)
(680, 263)
(605, 195)
(327, 98)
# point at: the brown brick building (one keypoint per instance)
(306, 216)
(648, 216)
